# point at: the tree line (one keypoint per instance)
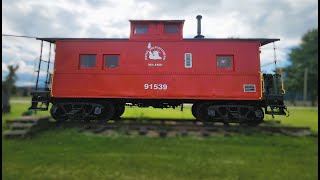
(302, 74)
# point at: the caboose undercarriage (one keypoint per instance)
(207, 111)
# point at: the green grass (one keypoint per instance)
(300, 103)
(306, 117)
(25, 98)
(67, 154)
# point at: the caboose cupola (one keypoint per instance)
(156, 30)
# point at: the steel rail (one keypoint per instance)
(176, 126)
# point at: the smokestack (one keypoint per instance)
(199, 36)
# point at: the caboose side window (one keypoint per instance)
(225, 61)
(111, 61)
(188, 60)
(141, 29)
(171, 28)
(87, 60)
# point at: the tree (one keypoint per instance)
(8, 87)
(304, 56)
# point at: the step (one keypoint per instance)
(28, 119)
(18, 125)
(277, 106)
(15, 133)
(41, 101)
(40, 91)
(275, 113)
(38, 109)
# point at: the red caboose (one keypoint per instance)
(94, 78)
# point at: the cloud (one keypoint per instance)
(42, 20)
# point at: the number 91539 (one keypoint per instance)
(156, 86)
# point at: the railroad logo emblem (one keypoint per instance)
(154, 53)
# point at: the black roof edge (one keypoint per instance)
(53, 40)
(262, 41)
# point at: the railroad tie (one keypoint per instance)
(205, 133)
(143, 131)
(183, 132)
(163, 133)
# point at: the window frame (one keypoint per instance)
(185, 60)
(168, 33)
(105, 61)
(141, 25)
(231, 68)
(80, 61)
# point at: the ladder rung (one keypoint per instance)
(46, 61)
(40, 70)
(42, 81)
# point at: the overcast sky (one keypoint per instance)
(284, 19)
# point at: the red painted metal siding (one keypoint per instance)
(203, 81)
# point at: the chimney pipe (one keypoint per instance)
(199, 36)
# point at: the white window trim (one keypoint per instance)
(185, 60)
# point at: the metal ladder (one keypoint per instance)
(42, 95)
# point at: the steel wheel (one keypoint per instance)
(108, 111)
(256, 118)
(119, 110)
(58, 113)
(194, 110)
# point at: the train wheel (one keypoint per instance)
(119, 110)
(58, 113)
(108, 112)
(202, 113)
(207, 114)
(255, 117)
(194, 110)
(199, 111)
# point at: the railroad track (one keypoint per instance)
(176, 127)
(150, 127)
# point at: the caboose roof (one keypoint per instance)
(262, 41)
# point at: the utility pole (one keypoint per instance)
(305, 86)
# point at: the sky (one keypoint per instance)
(287, 20)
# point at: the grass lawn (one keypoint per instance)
(67, 154)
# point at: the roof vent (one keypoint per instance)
(199, 36)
